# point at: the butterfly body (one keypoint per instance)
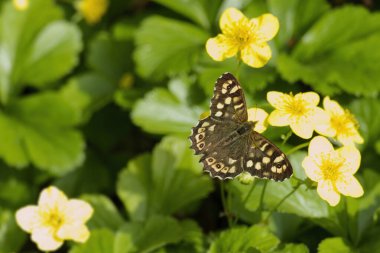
(227, 140)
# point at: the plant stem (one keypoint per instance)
(225, 208)
(262, 196)
(297, 148)
(281, 201)
(287, 136)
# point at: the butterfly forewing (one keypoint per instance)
(227, 143)
(228, 102)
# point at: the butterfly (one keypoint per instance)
(227, 140)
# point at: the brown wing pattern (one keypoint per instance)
(263, 159)
(228, 102)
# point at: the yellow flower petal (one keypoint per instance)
(27, 218)
(259, 116)
(220, 48)
(349, 186)
(51, 198)
(327, 192)
(323, 123)
(320, 145)
(268, 26)
(45, 239)
(310, 97)
(332, 106)
(279, 118)
(351, 139)
(75, 232)
(256, 55)
(302, 127)
(311, 169)
(276, 99)
(352, 159)
(78, 211)
(230, 17)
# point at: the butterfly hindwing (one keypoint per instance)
(263, 159)
(228, 102)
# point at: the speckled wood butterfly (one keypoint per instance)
(227, 142)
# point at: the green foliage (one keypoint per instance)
(244, 240)
(162, 183)
(104, 112)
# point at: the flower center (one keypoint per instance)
(296, 106)
(346, 124)
(330, 166)
(53, 219)
(241, 33)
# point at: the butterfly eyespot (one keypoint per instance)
(229, 87)
(278, 166)
(201, 136)
(218, 166)
(201, 145)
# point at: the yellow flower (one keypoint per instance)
(300, 112)
(92, 10)
(259, 116)
(245, 37)
(342, 125)
(333, 170)
(21, 4)
(55, 219)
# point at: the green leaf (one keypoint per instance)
(93, 170)
(295, 17)
(364, 109)
(88, 93)
(110, 57)
(38, 129)
(100, 241)
(55, 49)
(334, 245)
(37, 48)
(242, 239)
(147, 236)
(167, 46)
(163, 183)
(11, 237)
(293, 248)
(196, 10)
(332, 61)
(161, 112)
(105, 214)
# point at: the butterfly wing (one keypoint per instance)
(228, 102)
(264, 160)
(217, 160)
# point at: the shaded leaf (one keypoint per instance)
(147, 236)
(332, 61)
(38, 129)
(243, 239)
(167, 46)
(334, 245)
(162, 183)
(105, 214)
(100, 241)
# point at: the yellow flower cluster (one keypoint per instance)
(332, 169)
(55, 219)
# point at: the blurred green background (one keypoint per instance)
(102, 109)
